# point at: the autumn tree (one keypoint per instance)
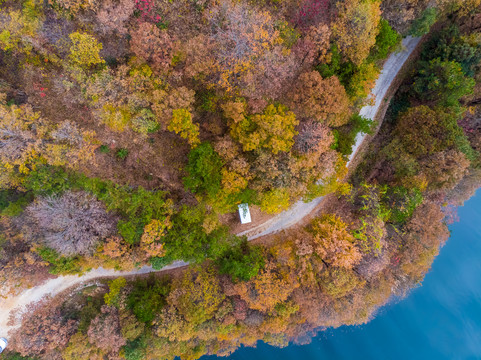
(356, 28)
(72, 223)
(165, 101)
(79, 348)
(112, 15)
(104, 330)
(236, 171)
(197, 295)
(27, 137)
(270, 76)
(154, 231)
(313, 137)
(291, 174)
(20, 26)
(181, 123)
(273, 130)
(362, 80)
(44, 330)
(270, 287)
(85, 50)
(324, 100)
(370, 218)
(459, 7)
(424, 234)
(115, 286)
(199, 60)
(170, 324)
(74, 6)
(424, 131)
(275, 200)
(241, 34)
(152, 45)
(338, 282)
(445, 169)
(334, 243)
(130, 327)
(401, 13)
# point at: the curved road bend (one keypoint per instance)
(15, 306)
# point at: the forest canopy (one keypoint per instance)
(131, 131)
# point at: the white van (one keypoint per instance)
(244, 214)
(3, 344)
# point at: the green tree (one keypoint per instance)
(204, 171)
(422, 25)
(189, 241)
(148, 297)
(115, 286)
(442, 82)
(449, 45)
(241, 262)
(386, 41)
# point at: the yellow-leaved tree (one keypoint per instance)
(182, 124)
(273, 130)
(356, 28)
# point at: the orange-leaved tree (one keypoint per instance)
(324, 100)
(334, 243)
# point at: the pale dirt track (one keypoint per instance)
(16, 306)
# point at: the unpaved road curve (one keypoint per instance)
(17, 305)
(52, 287)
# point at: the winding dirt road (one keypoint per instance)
(13, 308)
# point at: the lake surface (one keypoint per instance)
(439, 320)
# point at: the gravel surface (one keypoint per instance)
(13, 308)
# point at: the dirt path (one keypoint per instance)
(13, 308)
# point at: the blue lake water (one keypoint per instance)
(439, 320)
